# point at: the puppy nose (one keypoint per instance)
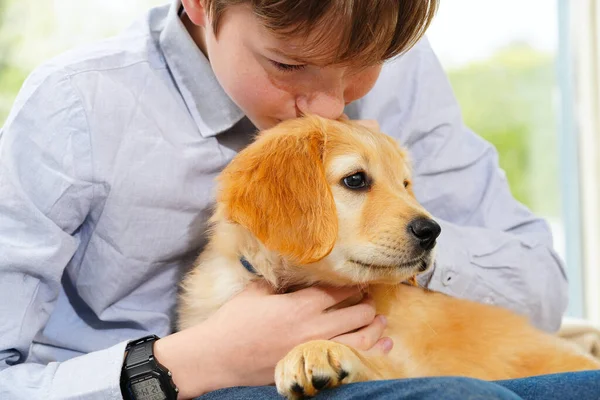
(426, 231)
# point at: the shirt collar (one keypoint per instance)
(212, 109)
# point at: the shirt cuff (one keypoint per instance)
(93, 376)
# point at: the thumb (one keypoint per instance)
(258, 287)
(368, 339)
(382, 347)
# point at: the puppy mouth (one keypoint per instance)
(420, 263)
(423, 265)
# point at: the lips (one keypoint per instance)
(421, 263)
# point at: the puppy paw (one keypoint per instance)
(314, 366)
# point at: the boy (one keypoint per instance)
(106, 168)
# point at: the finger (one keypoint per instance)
(366, 337)
(382, 347)
(369, 123)
(348, 319)
(324, 297)
(258, 287)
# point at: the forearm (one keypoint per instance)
(91, 376)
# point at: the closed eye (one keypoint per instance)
(287, 67)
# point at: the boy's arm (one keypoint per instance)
(45, 195)
(492, 249)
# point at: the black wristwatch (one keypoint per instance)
(142, 376)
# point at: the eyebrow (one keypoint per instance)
(347, 164)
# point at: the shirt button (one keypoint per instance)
(448, 277)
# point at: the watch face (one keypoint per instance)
(148, 389)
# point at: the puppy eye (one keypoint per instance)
(355, 181)
(406, 183)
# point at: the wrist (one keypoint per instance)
(194, 362)
(142, 376)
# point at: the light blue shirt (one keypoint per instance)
(107, 163)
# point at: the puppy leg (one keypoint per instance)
(319, 364)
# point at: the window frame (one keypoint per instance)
(581, 33)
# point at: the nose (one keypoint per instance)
(426, 231)
(324, 104)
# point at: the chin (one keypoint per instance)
(263, 123)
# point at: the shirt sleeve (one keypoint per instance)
(46, 192)
(492, 249)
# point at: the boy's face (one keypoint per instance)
(263, 74)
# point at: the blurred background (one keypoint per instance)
(526, 74)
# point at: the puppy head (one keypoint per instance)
(332, 198)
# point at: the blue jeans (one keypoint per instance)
(569, 386)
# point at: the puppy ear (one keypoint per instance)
(277, 189)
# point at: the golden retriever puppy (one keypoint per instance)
(314, 201)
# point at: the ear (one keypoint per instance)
(277, 189)
(196, 11)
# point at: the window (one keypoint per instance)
(505, 81)
(526, 78)
(582, 77)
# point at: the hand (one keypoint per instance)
(371, 124)
(368, 339)
(243, 341)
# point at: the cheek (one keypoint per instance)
(361, 83)
(246, 82)
(349, 208)
(249, 91)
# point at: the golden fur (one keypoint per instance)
(282, 205)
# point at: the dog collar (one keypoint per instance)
(249, 266)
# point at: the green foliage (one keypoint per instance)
(11, 80)
(3, 45)
(508, 100)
